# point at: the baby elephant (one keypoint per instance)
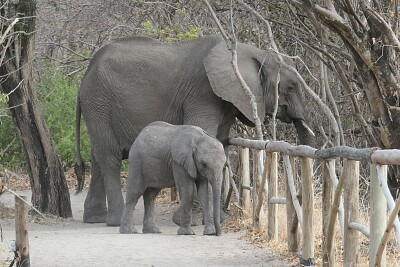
(165, 155)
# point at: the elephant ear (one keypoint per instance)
(182, 150)
(226, 85)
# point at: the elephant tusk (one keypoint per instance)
(307, 127)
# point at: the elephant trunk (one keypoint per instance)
(305, 132)
(216, 189)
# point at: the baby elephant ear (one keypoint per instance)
(182, 153)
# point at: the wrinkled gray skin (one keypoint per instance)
(165, 155)
(135, 81)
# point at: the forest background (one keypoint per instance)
(347, 51)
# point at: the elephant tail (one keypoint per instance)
(80, 164)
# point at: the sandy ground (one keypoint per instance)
(58, 242)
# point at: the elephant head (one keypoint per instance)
(260, 71)
(203, 157)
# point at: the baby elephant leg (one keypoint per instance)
(204, 193)
(132, 197)
(149, 225)
(186, 191)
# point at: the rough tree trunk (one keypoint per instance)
(49, 188)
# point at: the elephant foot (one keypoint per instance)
(114, 218)
(91, 218)
(185, 231)
(209, 230)
(123, 229)
(150, 229)
(197, 217)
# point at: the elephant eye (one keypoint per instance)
(204, 165)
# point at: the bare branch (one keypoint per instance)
(381, 24)
(269, 30)
(306, 88)
(389, 227)
(29, 204)
(276, 102)
(221, 29)
(232, 47)
(4, 36)
(347, 86)
(354, 15)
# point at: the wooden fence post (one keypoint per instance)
(307, 258)
(329, 239)
(21, 234)
(259, 211)
(256, 186)
(272, 192)
(335, 185)
(292, 220)
(245, 182)
(262, 193)
(378, 207)
(351, 210)
(328, 257)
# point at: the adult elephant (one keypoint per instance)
(135, 81)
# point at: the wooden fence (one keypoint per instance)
(340, 198)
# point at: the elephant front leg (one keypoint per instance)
(197, 215)
(95, 210)
(186, 191)
(204, 192)
(149, 225)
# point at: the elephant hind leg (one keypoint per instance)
(149, 225)
(95, 209)
(108, 156)
(197, 212)
(132, 196)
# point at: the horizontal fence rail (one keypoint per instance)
(340, 197)
(374, 155)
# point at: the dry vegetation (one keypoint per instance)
(260, 237)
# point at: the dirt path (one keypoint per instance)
(58, 243)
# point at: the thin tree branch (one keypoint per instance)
(306, 88)
(386, 235)
(381, 24)
(216, 20)
(4, 36)
(232, 47)
(276, 102)
(347, 86)
(26, 202)
(353, 13)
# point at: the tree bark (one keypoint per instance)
(49, 188)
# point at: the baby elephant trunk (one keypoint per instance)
(216, 189)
